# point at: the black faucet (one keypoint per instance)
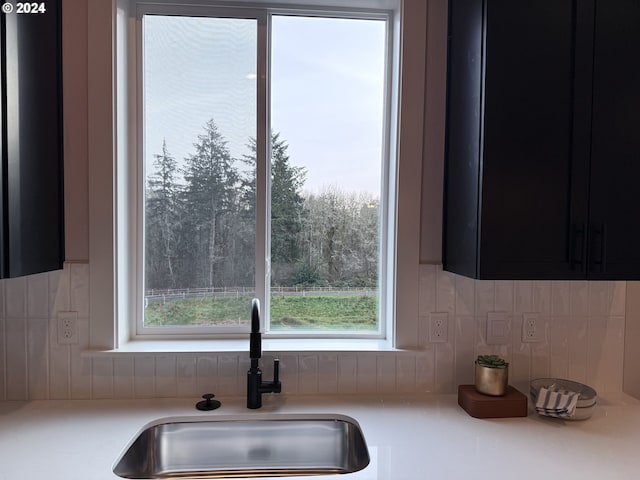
(255, 386)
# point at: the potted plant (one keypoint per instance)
(492, 375)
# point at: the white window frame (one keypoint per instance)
(110, 113)
(263, 17)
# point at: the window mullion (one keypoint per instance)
(263, 174)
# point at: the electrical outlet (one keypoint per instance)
(67, 328)
(438, 327)
(532, 328)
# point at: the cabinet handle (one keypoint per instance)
(577, 253)
(600, 246)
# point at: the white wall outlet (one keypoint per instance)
(498, 328)
(532, 328)
(438, 327)
(67, 328)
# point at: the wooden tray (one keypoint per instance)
(511, 404)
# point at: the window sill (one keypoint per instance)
(165, 347)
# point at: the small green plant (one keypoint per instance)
(491, 361)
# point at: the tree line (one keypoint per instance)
(200, 222)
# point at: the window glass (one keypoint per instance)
(327, 104)
(199, 84)
(322, 210)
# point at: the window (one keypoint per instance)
(114, 113)
(265, 170)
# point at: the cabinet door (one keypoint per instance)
(534, 166)
(463, 135)
(518, 108)
(615, 147)
(32, 193)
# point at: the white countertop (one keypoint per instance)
(408, 437)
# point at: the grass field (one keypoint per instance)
(287, 312)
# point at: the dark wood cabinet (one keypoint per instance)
(32, 195)
(543, 140)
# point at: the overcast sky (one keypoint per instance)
(326, 91)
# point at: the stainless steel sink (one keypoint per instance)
(276, 446)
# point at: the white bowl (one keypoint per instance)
(587, 396)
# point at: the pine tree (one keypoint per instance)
(287, 207)
(287, 203)
(162, 222)
(211, 197)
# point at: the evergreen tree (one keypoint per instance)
(202, 233)
(287, 203)
(211, 199)
(287, 207)
(162, 222)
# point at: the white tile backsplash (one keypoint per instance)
(102, 376)
(366, 372)
(227, 379)
(166, 375)
(308, 366)
(504, 291)
(406, 373)
(347, 372)
(386, 373)
(427, 289)
(584, 341)
(186, 385)
(16, 297)
(425, 370)
(80, 367)
(38, 296)
(16, 359)
(445, 291)
(144, 373)
(485, 297)
(123, 375)
(59, 290)
(328, 374)
(79, 289)
(38, 358)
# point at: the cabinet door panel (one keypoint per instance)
(462, 168)
(615, 147)
(534, 184)
(32, 229)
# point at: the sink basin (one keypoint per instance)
(226, 447)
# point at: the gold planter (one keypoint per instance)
(492, 381)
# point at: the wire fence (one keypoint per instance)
(242, 292)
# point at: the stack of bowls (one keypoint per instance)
(586, 401)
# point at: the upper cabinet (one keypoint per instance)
(542, 165)
(32, 203)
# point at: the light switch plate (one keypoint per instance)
(498, 328)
